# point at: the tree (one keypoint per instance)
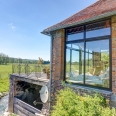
(20, 60)
(4, 59)
(41, 61)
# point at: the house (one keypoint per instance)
(83, 51)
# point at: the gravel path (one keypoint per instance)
(3, 104)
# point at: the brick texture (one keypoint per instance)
(114, 54)
(57, 61)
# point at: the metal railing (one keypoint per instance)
(29, 70)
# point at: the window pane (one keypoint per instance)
(75, 36)
(98, 25)
(97, 63)
(75, 33)
(75, 74)
(67, 62)
(68, 45)
(99, 32)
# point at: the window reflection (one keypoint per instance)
(98, 25)
(74, 67)
(68, 45)
(97, 63)
(100, 32)
(75, 36)
(67, 62)
(95, 54)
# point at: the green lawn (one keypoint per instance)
(6, 70)
(4, 84)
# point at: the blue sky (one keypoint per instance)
(21, 22)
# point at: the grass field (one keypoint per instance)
(6, 70)
(4, 84)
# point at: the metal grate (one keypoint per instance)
(29, 70)
(99, 25)
(75, 30)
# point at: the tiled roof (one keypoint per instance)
(99, 9)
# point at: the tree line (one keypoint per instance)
(5, 59)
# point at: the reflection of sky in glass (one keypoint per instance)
(67, 55)
(98, 46)
(99, 32)
(75, 36)
(68, 45)
(88, 56)
(93, 46)
(75, 55)
(76, 47)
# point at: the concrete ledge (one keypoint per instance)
(89, 90)
(113, 101)
(32, 79)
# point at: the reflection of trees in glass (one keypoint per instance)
(105, 57)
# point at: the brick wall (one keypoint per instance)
(114, 54)
(57, 60)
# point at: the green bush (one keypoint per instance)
(68, 103)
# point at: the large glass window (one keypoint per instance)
(97, 63)
(87, 60)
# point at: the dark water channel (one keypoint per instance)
(3, 104)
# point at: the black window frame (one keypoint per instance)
(106, 37)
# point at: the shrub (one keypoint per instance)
(47, 71)
(68, 103)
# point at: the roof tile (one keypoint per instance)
(99, 8)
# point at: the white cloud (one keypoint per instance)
(12, 26)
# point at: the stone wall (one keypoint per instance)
(15, 88)
(113, 21)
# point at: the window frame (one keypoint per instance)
(106, 37)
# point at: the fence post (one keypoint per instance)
(38, 66)
(12, 68)
(25, 68)
(19, 69)
(35, 70)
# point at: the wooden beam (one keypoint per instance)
(26, 106)
(22, 110)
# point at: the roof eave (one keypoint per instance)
(46, 33)
(80, 22)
